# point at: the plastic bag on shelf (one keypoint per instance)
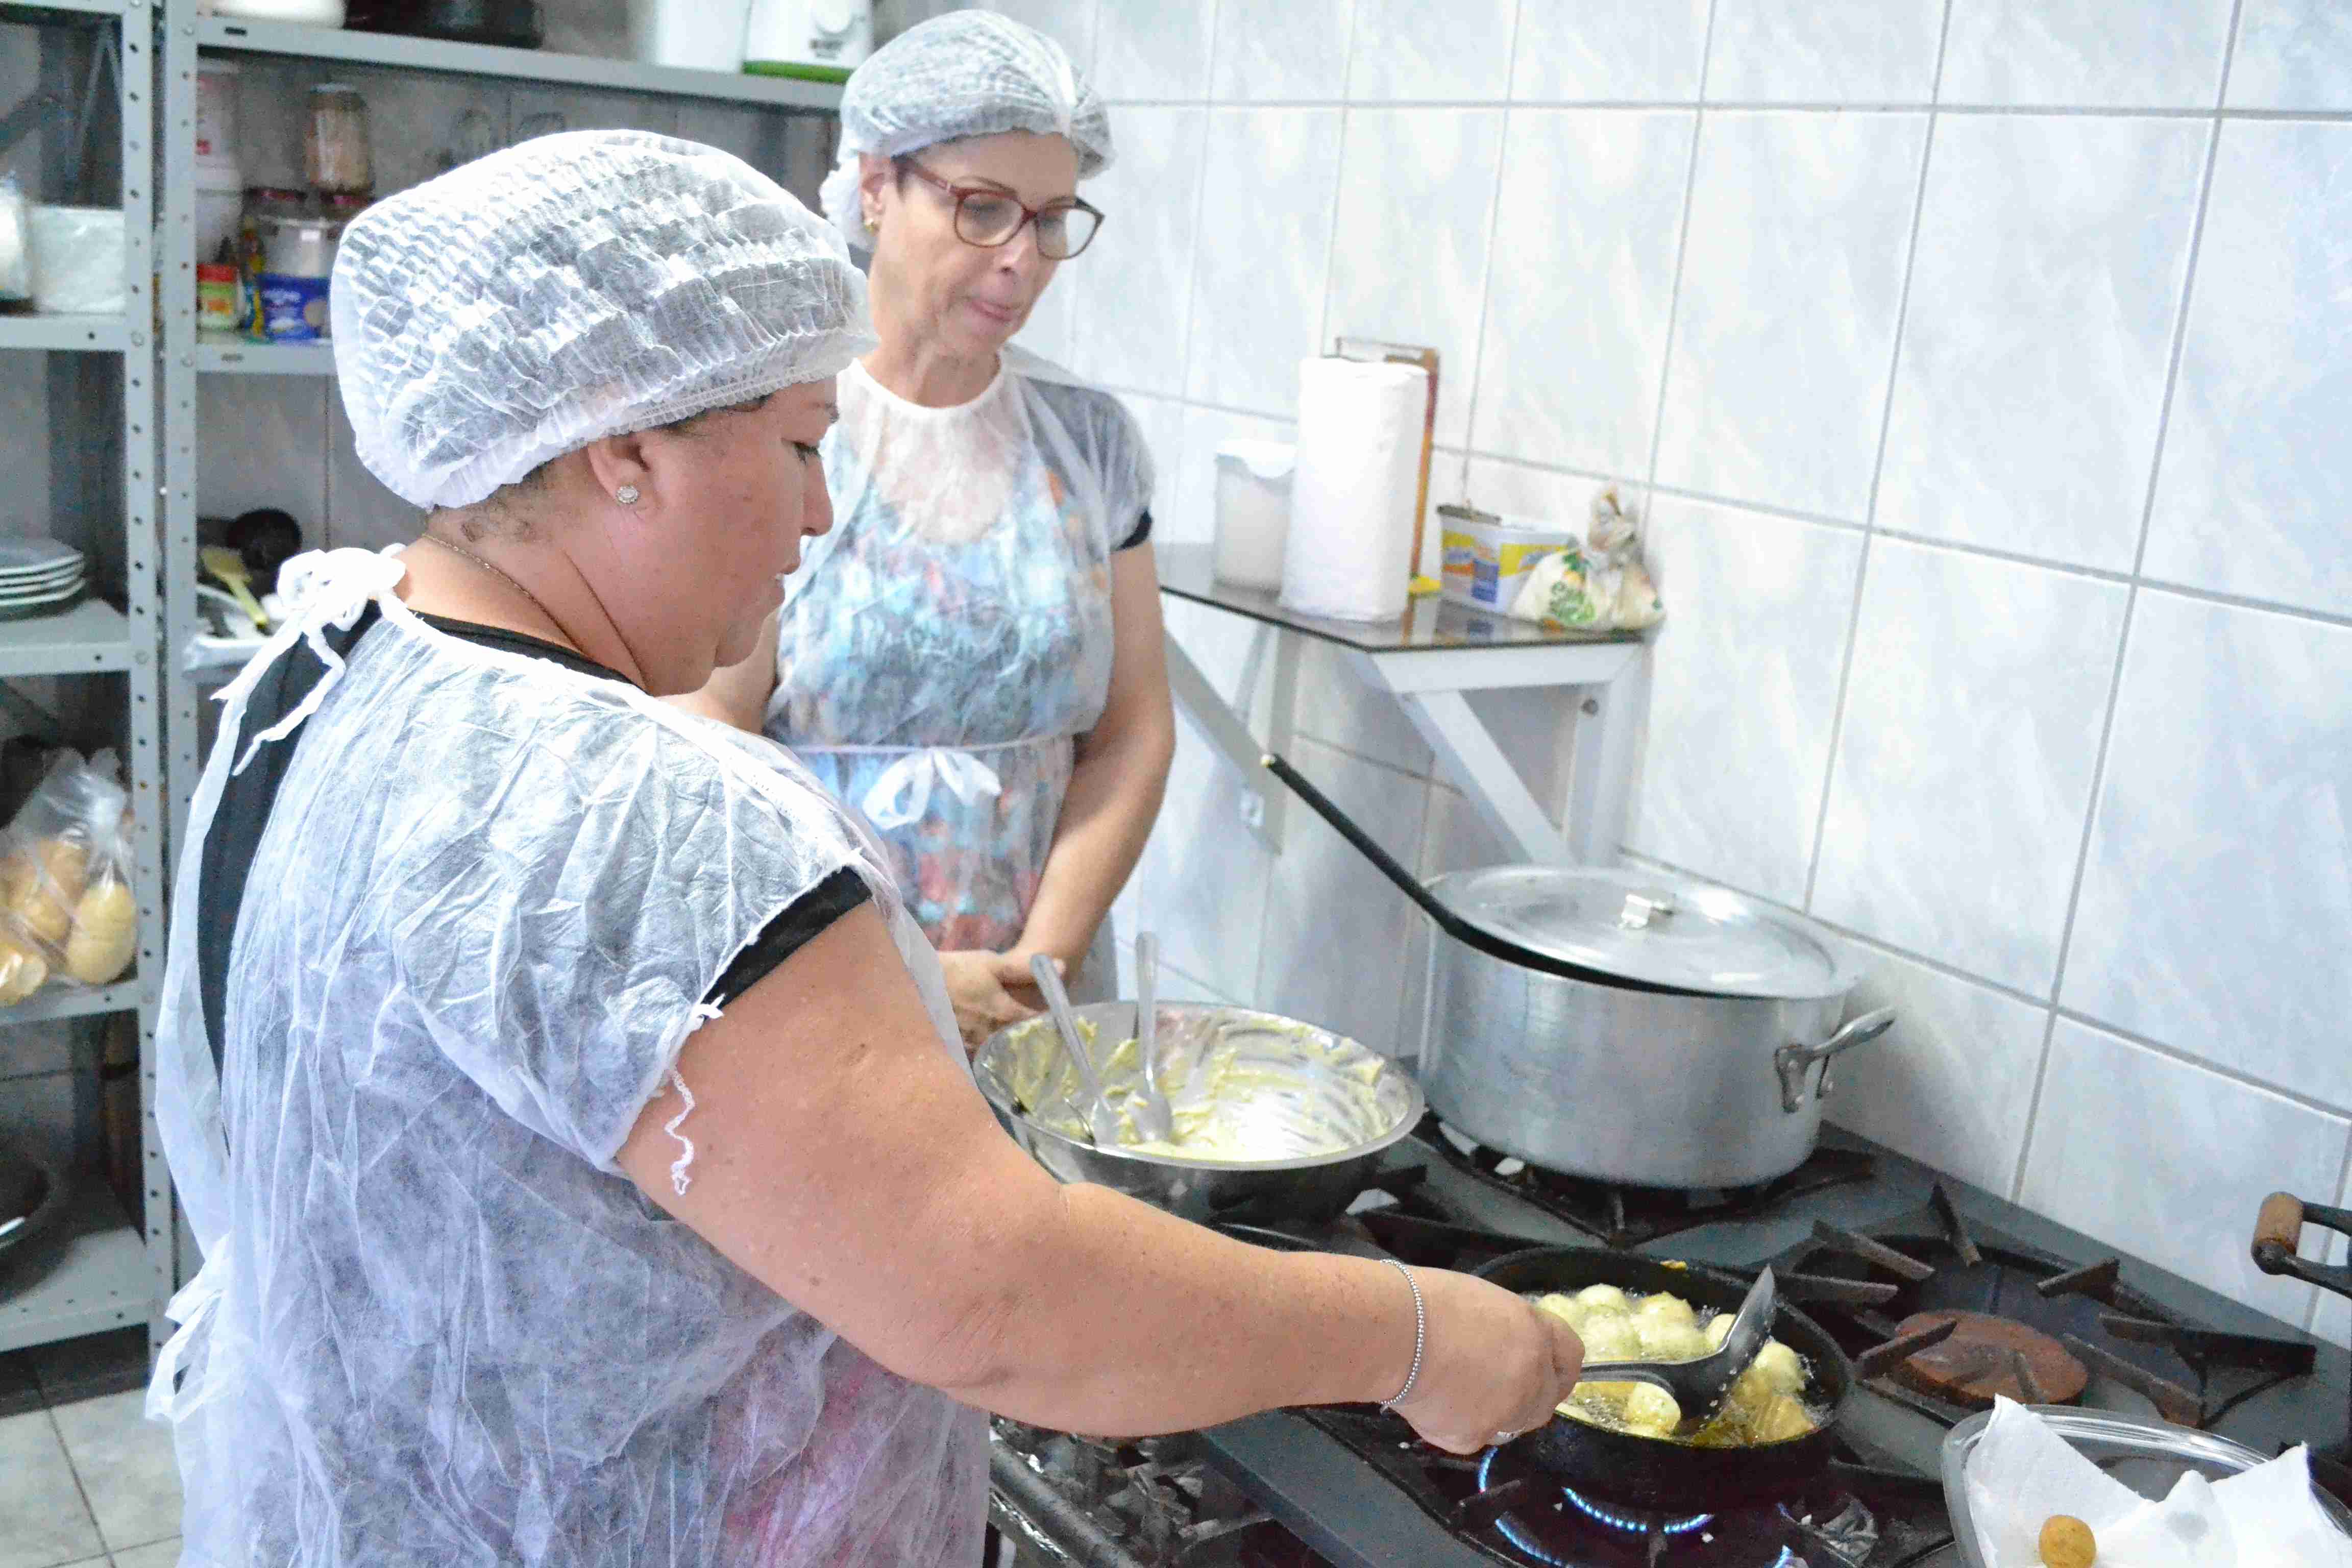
(68, 915)
(1603, 586)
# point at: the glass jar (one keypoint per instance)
(335, 141)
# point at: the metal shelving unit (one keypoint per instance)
(229, 35)
(226, 353)
(101, 1268)
(88, 334)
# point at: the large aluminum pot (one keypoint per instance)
(1628, 1026)
(1630, 1080)
(1315, 1187)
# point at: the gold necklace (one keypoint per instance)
(493, 567)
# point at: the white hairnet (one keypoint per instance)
(574, 288)
(968, 73)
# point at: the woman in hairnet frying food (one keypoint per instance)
(568, 1109)
(972, 657)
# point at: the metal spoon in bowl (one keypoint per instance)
(1102, 1121)
(1701, 1386)
(1148, 1108)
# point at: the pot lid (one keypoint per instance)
(1652, 928)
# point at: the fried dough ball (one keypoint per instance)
(1609, 1336)
(1670, 1341)
(1663, 1309)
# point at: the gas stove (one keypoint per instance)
(1945, 1297)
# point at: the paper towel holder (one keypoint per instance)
(1372, 351)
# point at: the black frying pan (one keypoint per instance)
(1651, 1472)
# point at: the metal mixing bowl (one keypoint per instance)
(1313, 1187)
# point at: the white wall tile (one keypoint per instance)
(2039, 331)
(1824, 51)
(1134, 283)
(2171, 1161)
(2256, 474)
(2216, 909)
(2332, 1321)
(2150, 54)
(1411, 50)
(1610, 51)
(1335, 927)
(1291, 50)
(1581, 287)
(1202, 884)
(1951, 1084)
(2293, 54)
(1258, 279)
(1964, 769)
(1496, 484)
(1429, 174)
(1337, 706)
(1069, 23)
(1785, 325)
(1743, 691)
(1192, 518)
(1150, 52)
(1161, 420)
(264, 440)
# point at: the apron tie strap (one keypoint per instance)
(193, 1308)
(322, 588)
(903, 792)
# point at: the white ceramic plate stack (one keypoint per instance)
(37, 577)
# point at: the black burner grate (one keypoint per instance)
(1624, 1216)
(1513, 1514)
(1934, 1262)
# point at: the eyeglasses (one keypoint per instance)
(989, 217)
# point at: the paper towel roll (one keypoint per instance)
(1353, 491)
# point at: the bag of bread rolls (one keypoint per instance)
(67, 911)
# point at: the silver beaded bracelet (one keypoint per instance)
(1420, 1335)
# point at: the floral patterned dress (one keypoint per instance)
(943, 647)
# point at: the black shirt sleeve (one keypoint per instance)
(1142, 534)
(790, 931)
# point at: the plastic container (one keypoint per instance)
(1486, 556)
(307, 13)
(2145, 1456)
(1253, 512)
(336, 157)
(220, 203)
(216, 111)
(220, 306)
(688, 34)
(816, 40)
(78, 262)
(300, 246)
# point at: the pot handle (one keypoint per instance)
(1793, 1061)
(2278, 1231)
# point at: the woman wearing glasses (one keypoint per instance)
(972, 656)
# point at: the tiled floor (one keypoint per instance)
(85, 1480)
